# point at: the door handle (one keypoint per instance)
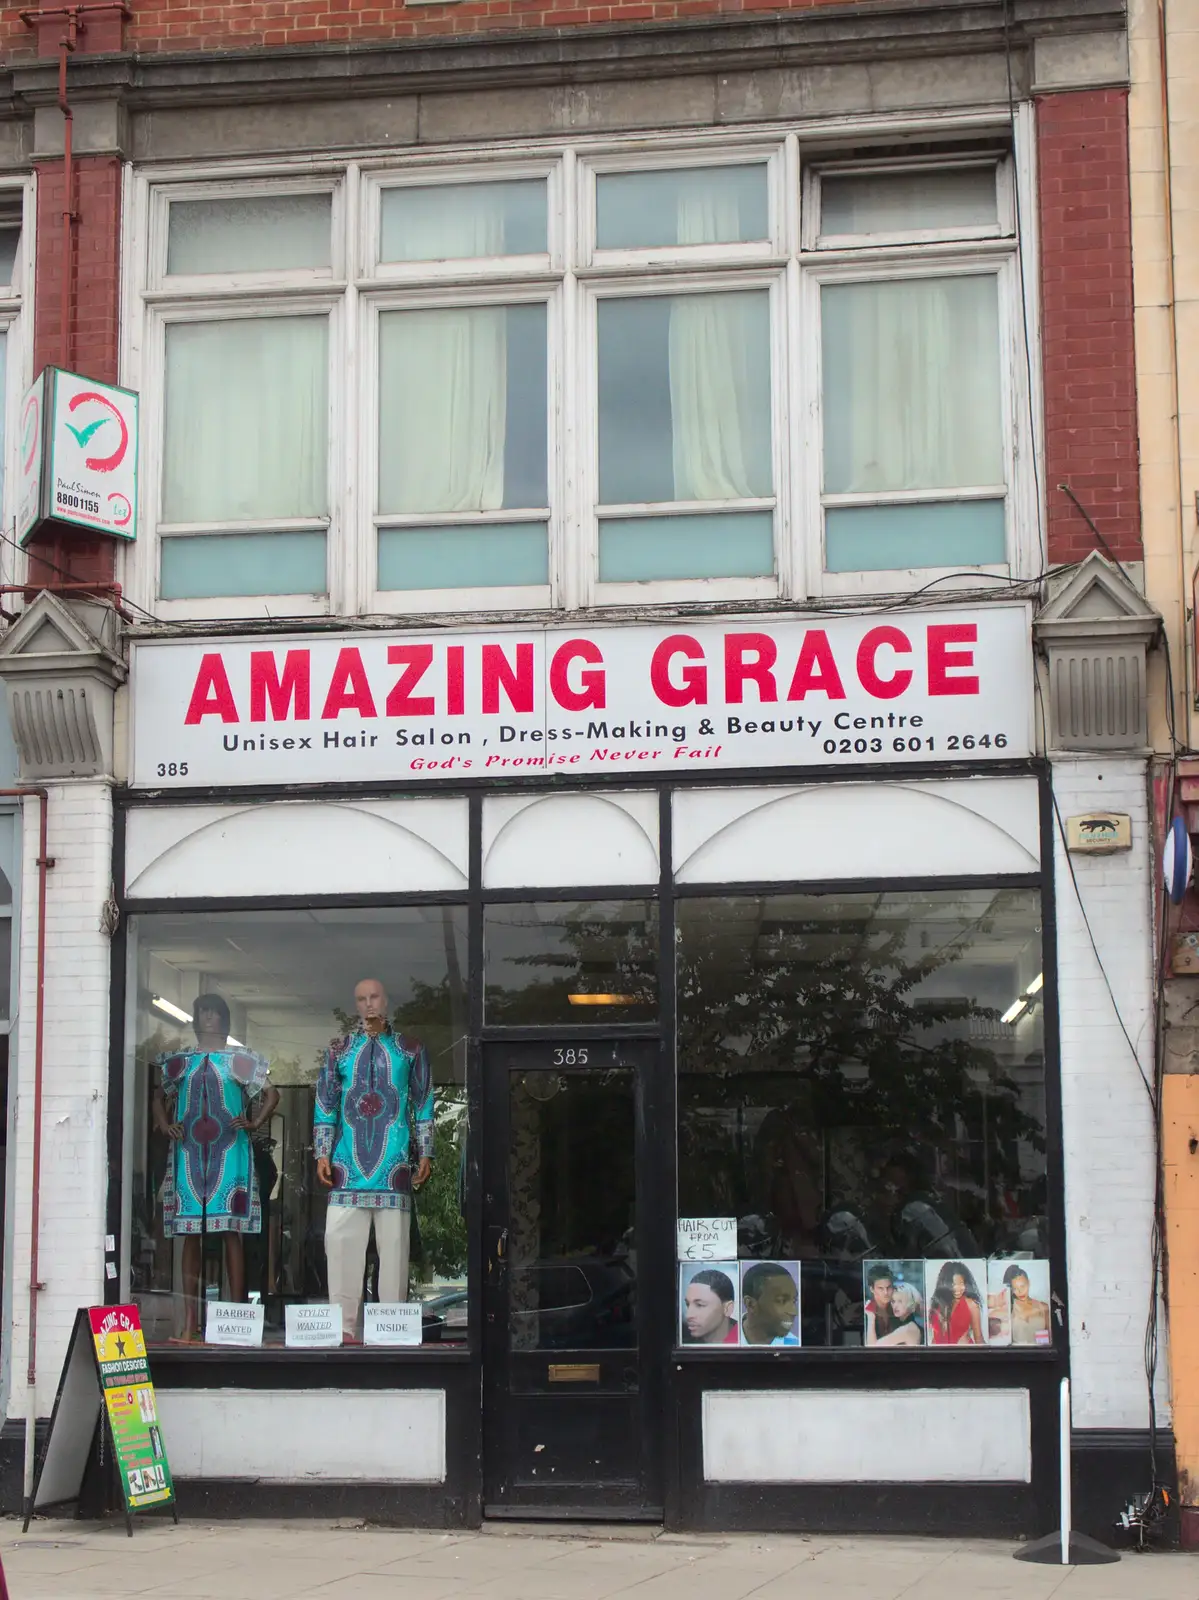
(497, 1255)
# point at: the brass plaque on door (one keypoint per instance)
(575, 1372)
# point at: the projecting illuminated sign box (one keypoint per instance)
(78, 456)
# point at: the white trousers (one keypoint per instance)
(347, 1230)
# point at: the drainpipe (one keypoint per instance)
(44, 862)
(1163, 68)
(66, 312)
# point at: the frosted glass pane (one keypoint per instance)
(727, 545)
(10, 239)
(462, 402)
(256, 233)
(460, 221)
(498, 555)
(911, 382)
(962, 533)
(219, 565)
(684, 397)
(904, 202)
(696, 205)
(246, 430)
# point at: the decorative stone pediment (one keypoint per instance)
(61, 669)
(1096, 630)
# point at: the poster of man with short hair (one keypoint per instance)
(893, 1304)
(770, 1302)
(708, 1303)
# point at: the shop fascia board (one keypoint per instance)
(635, 50)
(62, 677)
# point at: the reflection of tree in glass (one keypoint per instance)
(431, 1015)
(816, 1068)
(436, 1014)
(590, 949)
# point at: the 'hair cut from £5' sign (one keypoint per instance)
(761, 692)
(78, 456)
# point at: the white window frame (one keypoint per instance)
(16, 308)
(588, 517)
(336, 597)
(1003, 228)
(159, 282)
(772, 249)
(518, 597)
(549, 263)
(825, 583)
(571, 277)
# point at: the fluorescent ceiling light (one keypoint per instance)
(170, 1009)
(1037, 984)
(602, 999)
(1014, 1010)
(178, 1013)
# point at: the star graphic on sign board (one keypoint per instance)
(120, 1345)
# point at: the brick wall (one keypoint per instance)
(93, 348)
(1087, 322)
(246, 24)
(1107, 1125)
(75, 1080)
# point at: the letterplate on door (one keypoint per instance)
(574, 1372)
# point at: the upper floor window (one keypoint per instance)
(592, 376)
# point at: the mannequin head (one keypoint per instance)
(370, 997)
(210, 1019)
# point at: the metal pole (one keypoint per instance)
(1065, 1471)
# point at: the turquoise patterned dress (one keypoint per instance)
(211, 1185)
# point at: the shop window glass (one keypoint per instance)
(909, 202)
(463, 221)
(462, 409)
(680, 206)
(201, 566)
(684, 397)
(250, 233)
(222, 1220)
(559, 962)
(861, 1090)
(490, 555)
(10, 244)
(912, 398)
(269, 430)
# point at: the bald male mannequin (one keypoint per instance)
(374, 1101)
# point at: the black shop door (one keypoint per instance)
(570, 1424)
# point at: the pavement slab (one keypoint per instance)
(315, 1560)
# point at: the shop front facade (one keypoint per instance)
(605, 602)
(731, 949)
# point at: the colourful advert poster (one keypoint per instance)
(131, 1405)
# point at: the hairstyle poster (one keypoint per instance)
(893, 1304)
(770, 1302)
(1019, 1307)
(709, 1303)
(955, 1300)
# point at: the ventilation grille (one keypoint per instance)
(55, 730)
(1097, 696)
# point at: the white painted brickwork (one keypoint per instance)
(75, 1079)
(1106, 1119)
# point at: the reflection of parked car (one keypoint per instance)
(443, 1316)
(577, 1304)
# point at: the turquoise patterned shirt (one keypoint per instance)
(369, 1091)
